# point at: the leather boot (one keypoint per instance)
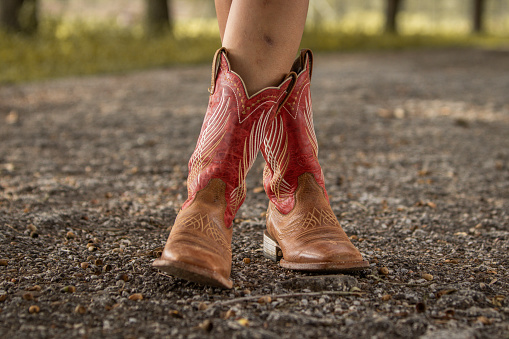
(199, 246)
(301, 226)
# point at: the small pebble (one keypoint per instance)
(80, 309)
(34, 288)
(246, 260)
(34, 309)
(427, 276)
(483, 320)
(229, 314)
(450, 313)
(92, 248)
(123, 276)
(98, 262)
(258, 189)
(3, 297)
(383, 270)
(386, 297)
(203, 306)
(84, 265)
(28, 296)
(4, 262)
(136, 296)
(243, 321)
(70, 235)
(175, 314)
(68, 289)
(265, 300)
(206, 325)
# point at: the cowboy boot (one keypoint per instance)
(199, 245)
(302, 230)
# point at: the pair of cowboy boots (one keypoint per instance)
(302, 230)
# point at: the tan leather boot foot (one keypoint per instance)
(309, 237)
(301, 226)
(198, 248)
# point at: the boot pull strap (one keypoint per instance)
(289, 89)
(309, 53)
(216, 63)
(305, 55)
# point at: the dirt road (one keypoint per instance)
(415, 150)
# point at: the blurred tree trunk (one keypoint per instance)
(19, 15)
(9, 14)
(478, 18)
(158, 18)
(391, 13)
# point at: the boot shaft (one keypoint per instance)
(290, 147)
(232, 133)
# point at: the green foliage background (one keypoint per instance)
(78, 48)
(68, 48)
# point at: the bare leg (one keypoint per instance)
(262, 37)
(222, 11)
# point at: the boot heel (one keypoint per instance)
(271, 249)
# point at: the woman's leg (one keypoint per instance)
(262, 38)
(222, 11)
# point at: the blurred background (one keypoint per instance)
(42, 39)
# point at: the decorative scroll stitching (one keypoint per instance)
(312, 220)
(251, 148)
(276, 150)
(201, 222)
(208, 142)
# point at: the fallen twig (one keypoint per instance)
(166, 275)
(288, 295)
(12, 228)
(398, 283)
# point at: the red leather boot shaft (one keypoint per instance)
(290, 147)
(232, 133)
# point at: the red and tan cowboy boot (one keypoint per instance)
(199, 246)
(301, 227)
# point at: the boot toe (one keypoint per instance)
(195, 265)
(196, 257)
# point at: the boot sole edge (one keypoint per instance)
(272, 251)
(338, 266)
(192, 273)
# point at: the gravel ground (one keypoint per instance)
(415, 150)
